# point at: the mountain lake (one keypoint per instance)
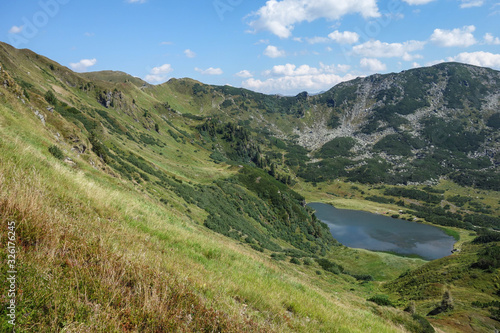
(358, 229)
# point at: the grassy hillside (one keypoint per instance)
(148, 208)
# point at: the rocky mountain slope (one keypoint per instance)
(444, 118)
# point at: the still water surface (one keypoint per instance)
(374, 232)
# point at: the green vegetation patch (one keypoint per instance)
(398, 144)
(337, 147)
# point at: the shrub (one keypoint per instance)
(382, 300)
(489, 258)
(329, 266)
(50, 97)
(56, 152)
(337, 147)
(295, 261)
(486, 236)
(363, 277)
(447, 304)
(308, 262)
(98, 148)
(278, 256)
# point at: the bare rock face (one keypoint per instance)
(40, 116)
(382, 105)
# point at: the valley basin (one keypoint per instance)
(358, 229)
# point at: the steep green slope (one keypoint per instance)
(106, 241)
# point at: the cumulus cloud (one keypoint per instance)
(373, 65)
(471, 3)
(244, 74)
(491, 40)
(315, 40)
(209, 71)
(417, 2)
(378, 49)
(291, 70)
(481, 58)
(292, 79)
(159, 74)
(16, 29)
(82, 65)
(273, 52)
(454, 38)
(346, 37)
(280, 17)
(189, 53)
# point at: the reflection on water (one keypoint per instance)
(364, 230)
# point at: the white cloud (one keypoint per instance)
(373, 65)
(295, 84)
(262, 41)
(491, 40)
(16, 29)
(471, 3)
(290, 79)
(483, 59)
(316, 40)
(89, 34)
(82, 65)
(154, 78)
(273, 52)
(159, 74)
(291, 70)
(378, 49)
(189, 53)
(163, 69)
(209, 71)
(417, 2)
(454, 38)
(346, 37)
(244, 74)
(136, 1)
(280, 17)
(343, 68)
(166, 43)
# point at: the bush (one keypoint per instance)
(486, 236)
(363, 277)
(329, 266)
(295, 261)
(489, 258)
(337, 147)
(382, 300)
(278, 256)
(56, 152)
(308, 262)
(98, 148)
(50, 97)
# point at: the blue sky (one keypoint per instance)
(275, 46)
